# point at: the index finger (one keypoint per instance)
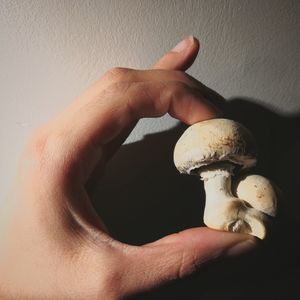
(81, 133)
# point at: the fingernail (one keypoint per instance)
(181, 46)
(241, 248)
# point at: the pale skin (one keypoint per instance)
(56, 247)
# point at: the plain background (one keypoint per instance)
(50, 51)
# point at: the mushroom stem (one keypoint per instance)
(223, 210)
(217, 184)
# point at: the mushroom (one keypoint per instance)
(259, 192)
(215, 150)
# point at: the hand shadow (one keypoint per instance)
(146, 198)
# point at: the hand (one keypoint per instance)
(56, 246)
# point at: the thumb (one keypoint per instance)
(180, 254)
(181, 57)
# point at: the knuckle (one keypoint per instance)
(176, 89)
(118, 74)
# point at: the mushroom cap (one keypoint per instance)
(213, 141)
(259, 192)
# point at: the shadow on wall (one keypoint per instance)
(146, 198)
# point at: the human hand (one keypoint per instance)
(56, 246)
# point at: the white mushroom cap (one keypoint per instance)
(211, 141)
(259, 192)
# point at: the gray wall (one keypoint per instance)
(51, 50)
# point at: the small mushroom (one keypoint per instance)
(259, 192)
(215, 150)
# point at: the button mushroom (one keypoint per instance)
(259, 192)
(215, 150)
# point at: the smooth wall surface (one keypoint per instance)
(50, 51)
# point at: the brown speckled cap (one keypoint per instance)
(212, 141)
